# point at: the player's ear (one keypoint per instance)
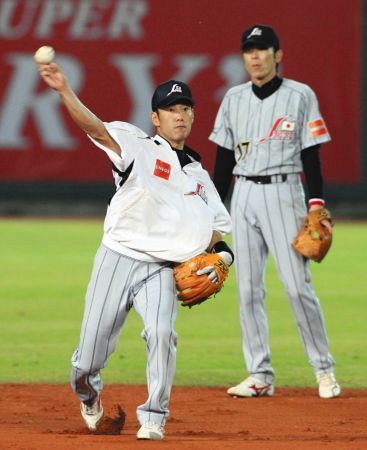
(278, 56)
(155, 118)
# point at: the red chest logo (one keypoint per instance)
(162, 169)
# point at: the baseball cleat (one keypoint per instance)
(92, 415)
(150, 430)
(252, 387)
(328, 387)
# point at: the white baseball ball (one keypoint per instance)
(44, 55)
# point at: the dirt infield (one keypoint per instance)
(42, 417)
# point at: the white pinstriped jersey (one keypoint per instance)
(268, 135)
(162, 212)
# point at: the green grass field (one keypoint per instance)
(44, 270)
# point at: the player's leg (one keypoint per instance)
(105, 311)
(250, 259)
(282, 218)
(156, 303)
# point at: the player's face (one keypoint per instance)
(261, 64)
(174, 123)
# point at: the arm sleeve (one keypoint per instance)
(311, 163)
(224, 164)
(314, 130)
(222, 133)
(127, 136)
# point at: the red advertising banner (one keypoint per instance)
(115, 52)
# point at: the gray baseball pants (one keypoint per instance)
(267, 218)
(117, 284)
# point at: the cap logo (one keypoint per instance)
(175, 88)
(255, 32)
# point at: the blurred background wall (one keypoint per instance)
(114, 52)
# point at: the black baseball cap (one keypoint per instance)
(171, 92)
(260, 36)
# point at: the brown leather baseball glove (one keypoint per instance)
(194, 288)
(314, 240)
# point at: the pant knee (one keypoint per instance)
(164, 335)
(85, 366)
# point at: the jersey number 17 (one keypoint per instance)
(243, 149)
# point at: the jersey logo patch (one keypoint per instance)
(200, 191)
(282, 129)
(317, 128)
(162, 169)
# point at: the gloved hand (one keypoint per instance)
(193, 289)
(314, 239)
(210, 270)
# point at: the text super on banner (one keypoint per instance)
(115, 52)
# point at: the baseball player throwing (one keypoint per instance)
(165, 210)
(268, 131)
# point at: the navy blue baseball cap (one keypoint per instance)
(260, 36)
(170, 93)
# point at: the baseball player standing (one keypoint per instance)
(165, 210)
(268, 131)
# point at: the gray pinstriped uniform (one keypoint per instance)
(267, 137)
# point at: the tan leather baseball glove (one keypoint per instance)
(313, 239)
(194, 288)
